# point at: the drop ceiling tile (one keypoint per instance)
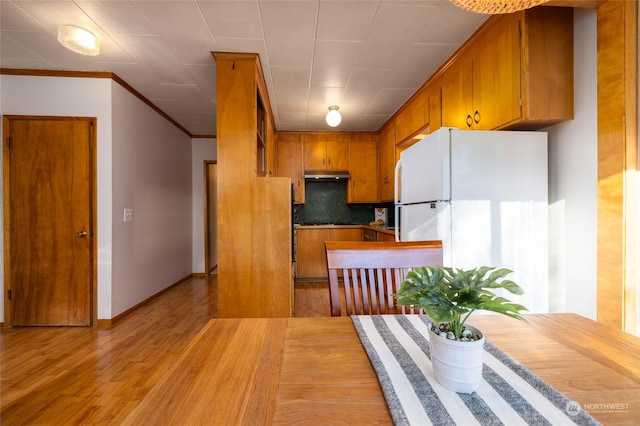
(51, 14)
(183, 28)
(394, 29)
(281, 19)
(118, 17)
(364, 85)
(152, 50)
(345, 20)
(232, 19)
(333, 62)
(13, 18)
(293, 110)
(450, 24)
(13, 50)
(291, 84)
(387, 101)
(418, 63)
(191, 96)
(370, 121)
(321, 98)
(205, 77)
(45, 45)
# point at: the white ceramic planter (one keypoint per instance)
(457, 365)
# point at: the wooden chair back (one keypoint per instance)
(373, 271)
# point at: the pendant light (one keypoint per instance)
(494, 7)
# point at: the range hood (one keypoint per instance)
(326, 174)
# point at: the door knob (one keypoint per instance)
(81, 234)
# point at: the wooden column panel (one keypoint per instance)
(617, 164)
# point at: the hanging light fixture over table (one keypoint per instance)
(494, 7)
(333, 116)
(78, 40)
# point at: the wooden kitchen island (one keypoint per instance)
(315, 371)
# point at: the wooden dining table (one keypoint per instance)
(263, 371)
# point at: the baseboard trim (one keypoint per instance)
(108, 323)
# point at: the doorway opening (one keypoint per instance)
(210, 218)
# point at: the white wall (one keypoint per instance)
(152, 176)
(143, 162)
(202, 149)
(80, 97)
(573, 184)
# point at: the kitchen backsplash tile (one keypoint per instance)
(325, 202)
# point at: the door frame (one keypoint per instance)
(207, 217)
(93, 188)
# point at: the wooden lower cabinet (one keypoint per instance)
(383, 236)
(311, 259)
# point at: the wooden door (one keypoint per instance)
(48, 220)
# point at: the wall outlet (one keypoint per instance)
(128, 215)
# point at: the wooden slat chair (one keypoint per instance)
(373, 271)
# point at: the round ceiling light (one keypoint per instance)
(333, 116)
(78, 40)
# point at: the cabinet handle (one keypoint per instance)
(476, 117)
(469, 120)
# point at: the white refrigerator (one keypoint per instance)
(485, 195)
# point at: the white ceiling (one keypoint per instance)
(366, 56)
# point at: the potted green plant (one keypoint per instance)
(449, 296)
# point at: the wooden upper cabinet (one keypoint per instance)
(516, 73)
(414, 116)
(386, 161)
(457, 94)
(435, 104)
(363, 167)
(290, 162)
(326, 151)
(496, 75)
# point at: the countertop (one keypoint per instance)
(382, 229)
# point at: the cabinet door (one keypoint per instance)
(311, 259)
(457, 94)
(315, 155)
(345, 234)
(386, 162)
(290, 164)
(337, 155)
(383, 236)
(435, 104)
(363, 170)
(414, 117)
(496, 75)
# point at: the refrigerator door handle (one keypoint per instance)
(397, 222)
(396, 199)
(396, 173)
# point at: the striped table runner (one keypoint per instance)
(509, 394)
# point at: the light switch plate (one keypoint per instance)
(128, 215)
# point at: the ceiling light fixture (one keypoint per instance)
(495, 7)
(333, 116)
(78, 40)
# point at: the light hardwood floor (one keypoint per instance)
(87, 375)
